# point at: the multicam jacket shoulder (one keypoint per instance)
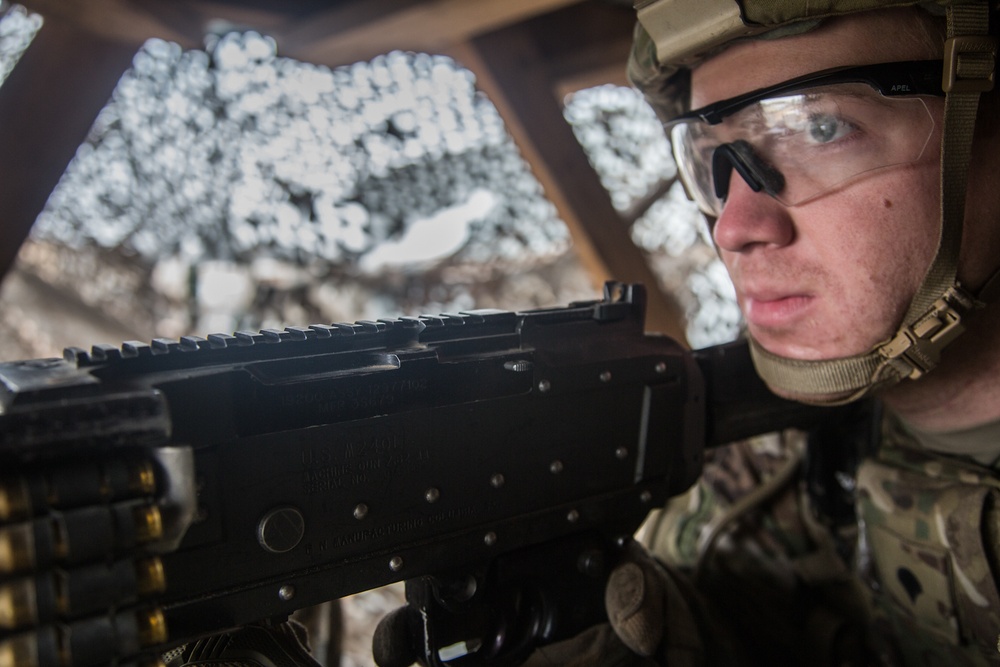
(911, 583)
(773, 574)
(929, 554)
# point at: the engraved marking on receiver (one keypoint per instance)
(332, 400)
(363, 459)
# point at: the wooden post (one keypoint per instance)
(521, 68)
(47, 106)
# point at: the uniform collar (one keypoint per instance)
(979, 443)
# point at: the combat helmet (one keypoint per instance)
(673, 36)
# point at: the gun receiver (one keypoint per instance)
(152, 494)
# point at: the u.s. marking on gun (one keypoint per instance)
(497, 461)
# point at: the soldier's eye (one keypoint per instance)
(824, 128)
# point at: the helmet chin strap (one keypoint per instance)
(935, 315)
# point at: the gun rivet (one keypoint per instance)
(573, 516)
(544, 385)
(606, 376)
(556, 467)
(645, 496)
(432, 495)
(360, 511)
(496, 481)
(661, 367)
(490, 539)
(286, 592)
(396, 564)
(621, 453)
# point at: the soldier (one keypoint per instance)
(861, 229)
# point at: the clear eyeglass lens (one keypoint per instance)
(819, 139)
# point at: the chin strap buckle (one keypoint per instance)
(969, 64)
(915, 350)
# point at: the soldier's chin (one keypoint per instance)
(791, 348)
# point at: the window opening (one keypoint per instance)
(18, 27)
(234, 188)
(626, 145)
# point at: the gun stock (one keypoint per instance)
(497, 461)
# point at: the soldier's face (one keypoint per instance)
(831, 277)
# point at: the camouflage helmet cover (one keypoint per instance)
(672, 36)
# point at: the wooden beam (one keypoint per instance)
(590, 257)
(610, 74)
(347, 33)
(126, 21)
(511, 71)
(181, 21)
(47, 106)
(194, 18)
(430, 26)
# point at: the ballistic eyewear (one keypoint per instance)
(809, 136)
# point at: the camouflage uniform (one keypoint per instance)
(929, 551)
(910, 583)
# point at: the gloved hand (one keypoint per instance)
(650, 610)
(655, 618)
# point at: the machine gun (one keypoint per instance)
(497, 461)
